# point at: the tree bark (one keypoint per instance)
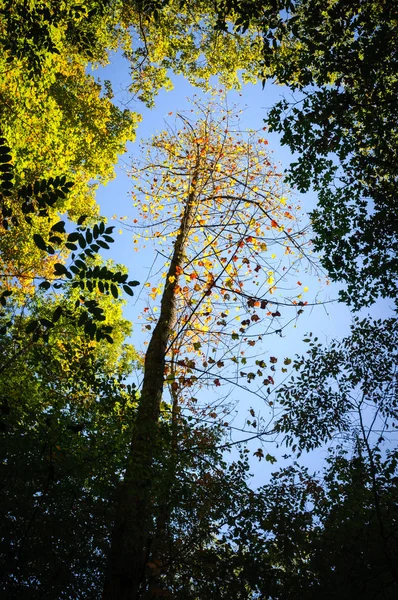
(130, 544)
(160, 551)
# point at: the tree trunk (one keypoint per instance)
(130, 544)
(161, 557)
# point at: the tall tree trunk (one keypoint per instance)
(160, 552)
(129, 552)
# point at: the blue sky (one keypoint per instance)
(326, 320)
(115, 199)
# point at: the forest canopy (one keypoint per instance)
(143, 490)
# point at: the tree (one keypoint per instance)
(181, 37)
(59, 125)
(212, 199)
(49, 101)
(61, 120)
(318, 535)
(333, 533)
(66, 412)
(341, 60)
(34, 33)
(62, 396)
(214, 195)
(342, 125)
(157, 36)
(346, 391)
(346, 387)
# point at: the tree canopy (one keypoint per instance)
(340, 59)
(130, 491)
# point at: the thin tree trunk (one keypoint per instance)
(134, 519)
(160, 550)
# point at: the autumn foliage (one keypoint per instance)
(213, 185)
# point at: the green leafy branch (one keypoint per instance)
(84, 243)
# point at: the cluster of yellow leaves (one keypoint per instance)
(184, 39)
(58, 124)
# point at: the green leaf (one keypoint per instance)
(128, 290)
(60, 227)
(90, 328)
(31, 326)
(54, 239)
(80, 264)
(40, 243)
(7, 185)
(46, 323)
(271, 459)
(82, 319)
(57, 314)
(71, 246)
(60, 269)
